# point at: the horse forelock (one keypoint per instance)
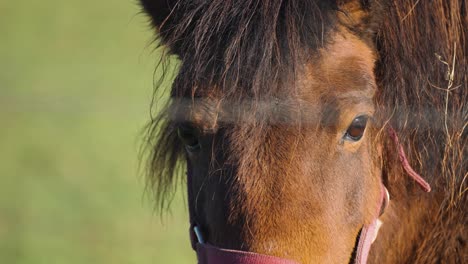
(247, 48)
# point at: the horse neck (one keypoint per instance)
(418, 228)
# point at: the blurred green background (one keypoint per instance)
(76, 81)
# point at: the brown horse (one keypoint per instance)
(283, 111)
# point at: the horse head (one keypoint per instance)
(274, 113)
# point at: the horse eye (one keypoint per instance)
(189, 137)
(357, 128)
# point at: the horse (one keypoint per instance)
(307, 127)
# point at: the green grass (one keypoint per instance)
(75, 87)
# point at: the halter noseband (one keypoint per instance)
(209, 254)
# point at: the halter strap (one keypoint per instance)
(369, 233)
(404, 162)
(213, 255)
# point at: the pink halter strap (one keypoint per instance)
(404, 162)
(213, 255)
(369, 232)
(208, 254)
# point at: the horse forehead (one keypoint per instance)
(345, 66)
(342, 73)
(345, 47)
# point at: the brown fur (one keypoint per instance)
(272, 85)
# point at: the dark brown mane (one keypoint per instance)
(265, 41)
(417, 44)
(261, 44)
(414, 40)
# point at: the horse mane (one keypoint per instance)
(264, 41)
(422, 73)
